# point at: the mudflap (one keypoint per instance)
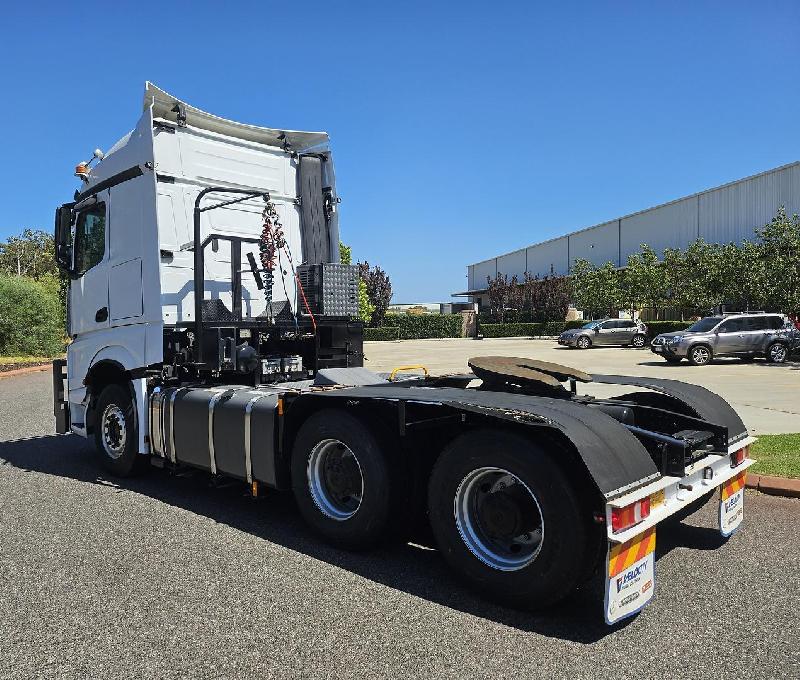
(630, 575)
(731, 504)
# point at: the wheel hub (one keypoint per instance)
(335, 479)
(499, 518)
(115, 434)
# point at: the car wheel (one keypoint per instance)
(583, 342)
(777, 353)
(639, 341)
(700, 355)
(116, 433)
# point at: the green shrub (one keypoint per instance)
(656, 327)
(383, 333)
(510, 330)
(30, 318)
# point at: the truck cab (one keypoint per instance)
(164, 246)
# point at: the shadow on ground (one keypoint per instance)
(409, 568)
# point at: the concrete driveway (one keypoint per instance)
(767, 396)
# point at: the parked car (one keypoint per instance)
(746, 336)
(606, 332)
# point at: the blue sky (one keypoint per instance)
(460, 130)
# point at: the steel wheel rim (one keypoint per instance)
(115, 432)
(700, 355)
(777, 353)
(638, 341)
(335, 479)
(505, 552)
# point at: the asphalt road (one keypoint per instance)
(168, 577)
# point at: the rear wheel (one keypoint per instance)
(342, 480)
(116, 434)
(507, 519)
(700, 355)
(777, 353)
(639, 341)
(583, 342)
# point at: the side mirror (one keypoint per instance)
(63, 237)
(596, 330)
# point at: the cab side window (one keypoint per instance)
(90, 238)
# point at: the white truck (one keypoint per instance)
(212, 326)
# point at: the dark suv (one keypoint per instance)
(739, 335)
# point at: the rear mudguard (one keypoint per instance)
(616, 461)
(704, 404)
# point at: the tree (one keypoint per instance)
(379, 291)
(780, 262)
(365, 307)
(29, 254)
(644, 282)
(596, 289)
(499, 295)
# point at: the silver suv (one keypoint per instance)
(739, 335)
(606, 332)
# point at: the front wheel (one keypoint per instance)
(583, 342)
(116, 432)
(508, 520)
(700, 355)
(777, 353)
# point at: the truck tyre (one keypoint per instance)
(700, 355)
(639, 341)
(777, 353)
(583, 342)
(116, 432)
(508, 520)
(342, 480)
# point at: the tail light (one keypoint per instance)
(738, 457)
(622, 518)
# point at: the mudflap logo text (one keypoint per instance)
(629, 577)
(732, 502)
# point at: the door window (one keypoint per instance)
(90, 238)
(734, 326)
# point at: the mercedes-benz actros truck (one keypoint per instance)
(212, 326)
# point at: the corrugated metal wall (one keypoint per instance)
(728, 213)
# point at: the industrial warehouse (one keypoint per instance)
(728, 213)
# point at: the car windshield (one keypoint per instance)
(704, 324)
(591, 324)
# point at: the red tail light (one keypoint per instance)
(622, 518)
(738, 457)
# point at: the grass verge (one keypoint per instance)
(777, 454)
(11, 363)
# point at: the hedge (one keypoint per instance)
(656, 327)
(415, 327)
(511, 330)
(384, 333)
(30, 318)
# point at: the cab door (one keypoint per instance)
(88, 299)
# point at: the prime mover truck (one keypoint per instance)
(213, 326)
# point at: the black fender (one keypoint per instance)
(614, 458)
(704, 403)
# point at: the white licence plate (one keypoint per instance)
(658, 348)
